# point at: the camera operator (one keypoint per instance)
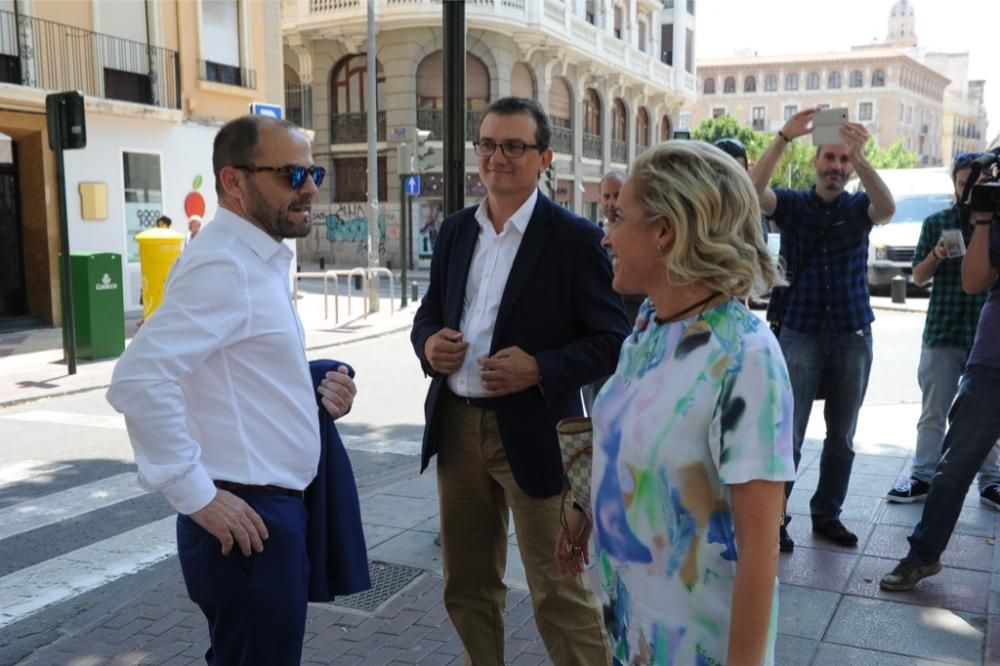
(825, 311)
(974, 418)
(952, 316)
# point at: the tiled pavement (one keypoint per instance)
(831, 609)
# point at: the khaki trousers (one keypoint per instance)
(476, 489)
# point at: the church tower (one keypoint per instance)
(902, 25)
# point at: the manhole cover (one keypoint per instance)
(387, 580)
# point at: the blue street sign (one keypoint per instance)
(413, 185)
(259, 109)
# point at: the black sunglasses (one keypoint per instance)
(296, 174)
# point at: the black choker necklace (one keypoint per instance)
(704, 301)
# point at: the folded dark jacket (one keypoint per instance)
(338, 557)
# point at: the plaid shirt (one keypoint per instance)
(952, 315)
(825, 250)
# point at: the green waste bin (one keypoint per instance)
(98, 304)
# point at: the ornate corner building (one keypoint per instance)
(614, 75)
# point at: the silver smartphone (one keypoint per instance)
(826, 126)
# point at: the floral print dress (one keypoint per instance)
(694, 407)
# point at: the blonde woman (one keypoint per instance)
(693, 433)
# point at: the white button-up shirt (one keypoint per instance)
(216, 385)
(488, 273)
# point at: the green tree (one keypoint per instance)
(895, 156)
(727, 127)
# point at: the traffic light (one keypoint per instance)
(550, 181)
(423, 160)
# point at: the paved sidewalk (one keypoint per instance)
(831, 609)
(32, 365)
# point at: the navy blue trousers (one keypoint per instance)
(256, 605)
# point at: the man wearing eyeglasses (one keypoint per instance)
(950, 328)
(519, 314)
(219, 401)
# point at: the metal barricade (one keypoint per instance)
(376, 274)
(325, 276)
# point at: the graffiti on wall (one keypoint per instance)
(342, 231)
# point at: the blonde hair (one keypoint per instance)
(712, 205)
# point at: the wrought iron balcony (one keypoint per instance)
(619, 151)
(562, 140)
(298, 104)
(55, 56)
(433, 120)
(353, 127)
(592, 145)
(228, 74)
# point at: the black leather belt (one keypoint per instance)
(234, 487)
(478, 403)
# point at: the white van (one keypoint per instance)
(918, 193)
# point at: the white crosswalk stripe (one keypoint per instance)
(31, 589)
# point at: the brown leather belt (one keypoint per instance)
(478, 403)
(234, 487)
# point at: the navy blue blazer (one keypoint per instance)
(335, 538)
(557, 306)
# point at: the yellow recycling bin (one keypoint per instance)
(158, 250)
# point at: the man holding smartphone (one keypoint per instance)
(949, 330)
(825, 311)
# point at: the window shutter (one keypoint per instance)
(220, 39)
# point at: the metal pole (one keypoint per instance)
(68, 321)
(372, 102)
(403, 258)
(454, 105)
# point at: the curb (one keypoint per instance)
(4, 404)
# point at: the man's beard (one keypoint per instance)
(276, 221)
(834, 184)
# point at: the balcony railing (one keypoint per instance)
(298, 104)
(619, 151)
(353, 127)
(562, 140)
(592, 145)
(433, 120)
(228, 74)
(55, 56)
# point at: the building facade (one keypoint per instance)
(159, 77)
(614, 75)
(895, 96)
(965, 119)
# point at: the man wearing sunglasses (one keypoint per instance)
(219, 400)
(519, 314)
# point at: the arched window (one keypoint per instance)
(730, 85)
(347, 84)
(771, 82)
(522, 83)
(812, 81)
(430, 86)
(666, 129)
(878, 78)
(560, 103)
(618, 121)
(792, 81)
(642, 128)
(833, 81)
(857, 79)
(750, 84)
(709, 88)
(591, 112)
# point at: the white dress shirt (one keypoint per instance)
(216, 385)
(491, 264)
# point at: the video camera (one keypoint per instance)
(986, 195)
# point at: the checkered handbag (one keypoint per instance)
(576, 445)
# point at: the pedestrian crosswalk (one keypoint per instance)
(43, 497)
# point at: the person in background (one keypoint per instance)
(693, 432)
(950, 328)
(194, 226)
(825, 312)
(163, 222)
